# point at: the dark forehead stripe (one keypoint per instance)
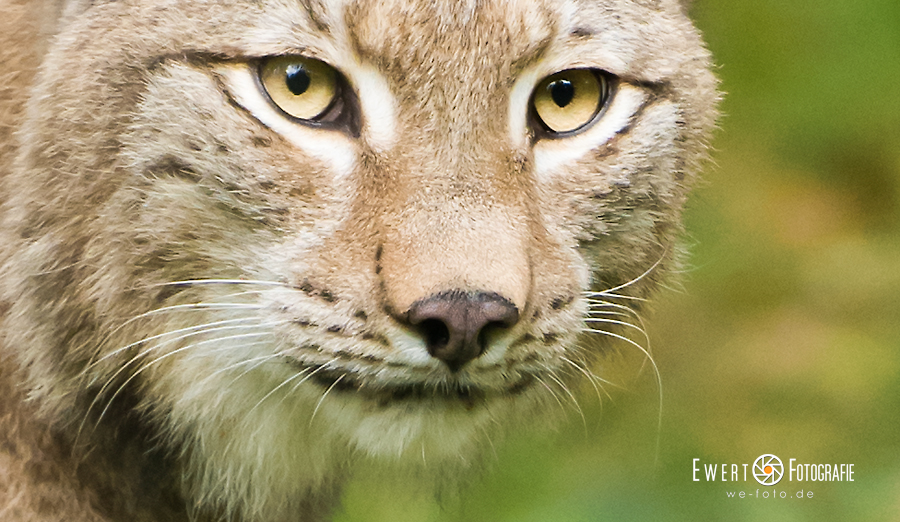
(536, 49)
(315, 10)
(582, 32)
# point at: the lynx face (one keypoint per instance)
(289, 232)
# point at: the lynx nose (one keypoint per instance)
(454, 324)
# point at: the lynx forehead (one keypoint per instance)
(250, 243)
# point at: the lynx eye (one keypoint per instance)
(302, 87)
(569, 100)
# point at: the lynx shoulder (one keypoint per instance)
(249, 244)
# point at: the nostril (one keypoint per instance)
(457, 326)
(487, 330)
(436, 334)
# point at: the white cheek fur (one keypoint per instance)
(518, 108)
(330, 146)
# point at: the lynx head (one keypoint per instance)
(285, 233)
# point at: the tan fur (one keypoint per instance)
(136, 153)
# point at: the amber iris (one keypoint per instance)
(301, 87)
(569, 100)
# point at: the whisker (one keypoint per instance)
(610, 291)
(238, 294)
(564, 388)
(317, 370)
(590, 377)
(322, 398)
(196, 282)
(649, 358)
(196, 330)
(623, 323)
(145, 367)
(258, 360)
(174, 340)
(642, 329)
(608, 312)
(276, 388)
(487, 436)
(180, 307)
(305, 374)
(552, 393)
(627, 309)
(196, 306)
(614, 321)
(189, 307)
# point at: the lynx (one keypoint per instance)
(249, 244)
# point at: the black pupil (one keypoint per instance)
(562, 92)
(297, 79)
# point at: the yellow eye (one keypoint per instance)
(302, 87)
(569, 100)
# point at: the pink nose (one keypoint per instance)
(454, 323)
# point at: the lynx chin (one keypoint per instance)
(250, 244)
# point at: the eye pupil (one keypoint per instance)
(562, 92)
(297, 79)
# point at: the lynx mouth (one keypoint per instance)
(385, 394)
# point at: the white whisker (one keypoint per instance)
(487, 436)
(590, 377)
(259, 361)
(649, 357)
(174, 340)
(195, 282)
(317, 370)
(552, 393)
(322, 398)
(608, 312)
(180, 307)
(568, 392)
(148, 365)
(276, 388)
(610, 291)
(238, 294)
(195, 330)
(627, 309)
(613, 321)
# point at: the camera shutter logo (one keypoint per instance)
(768, 469)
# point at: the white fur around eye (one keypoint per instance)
(518, 107)
(552, 154)
(377, 103)
(330, 146)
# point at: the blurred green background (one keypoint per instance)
(785, 338)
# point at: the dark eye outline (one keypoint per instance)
(342, 113)
(542, 131)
